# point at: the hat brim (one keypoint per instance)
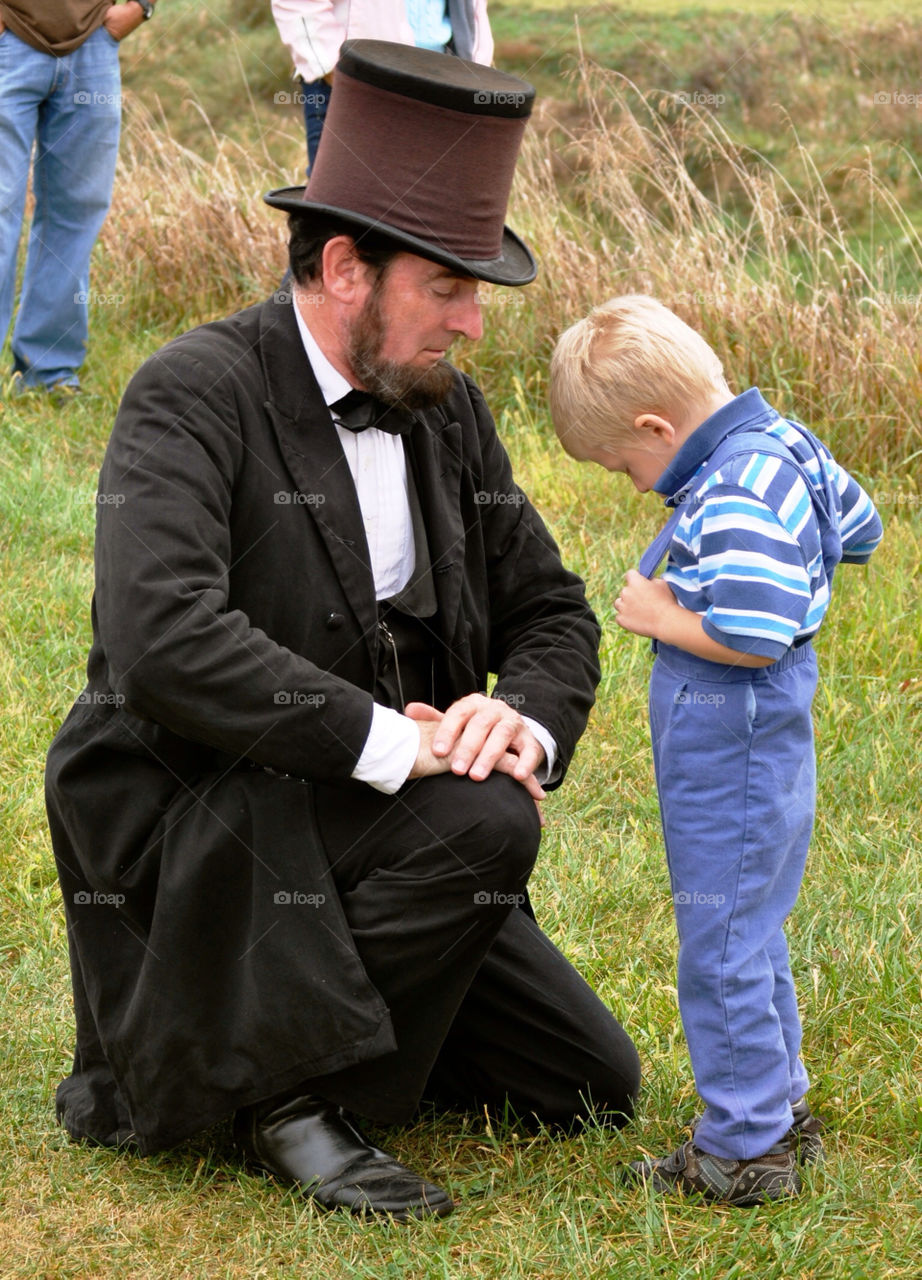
(515, 265)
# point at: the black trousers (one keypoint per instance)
(485, 1009)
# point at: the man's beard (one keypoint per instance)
(393, 383)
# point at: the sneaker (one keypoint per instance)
(805, 1133)
(772, 1176)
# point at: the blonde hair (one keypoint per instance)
(629, 356)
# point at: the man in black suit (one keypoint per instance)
(293, 833)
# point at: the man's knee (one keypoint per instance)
(491, 827)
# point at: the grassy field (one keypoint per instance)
(781, 220)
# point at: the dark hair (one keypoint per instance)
(308, 236)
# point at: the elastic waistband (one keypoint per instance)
(688, 664)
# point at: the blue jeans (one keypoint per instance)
(735, 771)
(315, 99)
(70, 108)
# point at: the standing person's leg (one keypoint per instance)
(315, 99)
(736, 835)
(25, 78)
(74, 169)
(785, 1002)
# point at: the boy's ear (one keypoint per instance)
(660, 428)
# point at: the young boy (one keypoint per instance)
(761, 516)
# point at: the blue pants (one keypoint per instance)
(70, 109)
(735, 771)
(315, 99)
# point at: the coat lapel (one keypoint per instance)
(435, 448)
(315, 458)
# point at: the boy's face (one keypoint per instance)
(643, 455)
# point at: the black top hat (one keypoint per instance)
(420, 147)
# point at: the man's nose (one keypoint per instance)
(466, 318)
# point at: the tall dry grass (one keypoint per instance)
(188, 238)
(651, 195)
(642, 193)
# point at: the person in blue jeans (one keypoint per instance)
(761, 516)
(313, 31)
(60, 90)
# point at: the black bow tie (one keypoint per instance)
(359, 410)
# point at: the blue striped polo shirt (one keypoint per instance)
(747, 555)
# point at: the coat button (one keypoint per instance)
(335, 621)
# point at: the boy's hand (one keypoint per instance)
(644, 605)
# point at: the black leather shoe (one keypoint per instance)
(306, 1140)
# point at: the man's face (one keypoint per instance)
(397, 343)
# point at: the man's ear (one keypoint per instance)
(656, 427)
(343, 270)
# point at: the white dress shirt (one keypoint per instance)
(379, 469)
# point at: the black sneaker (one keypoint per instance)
(772, 1176)
(805, 1133)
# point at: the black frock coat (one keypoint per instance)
(231, 667)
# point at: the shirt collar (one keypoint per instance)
(743, 412)
(333, 386)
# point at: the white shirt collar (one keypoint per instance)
(333, 386)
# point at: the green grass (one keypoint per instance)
(530, 1205)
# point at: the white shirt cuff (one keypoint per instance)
(390, 750)
(550, 772)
